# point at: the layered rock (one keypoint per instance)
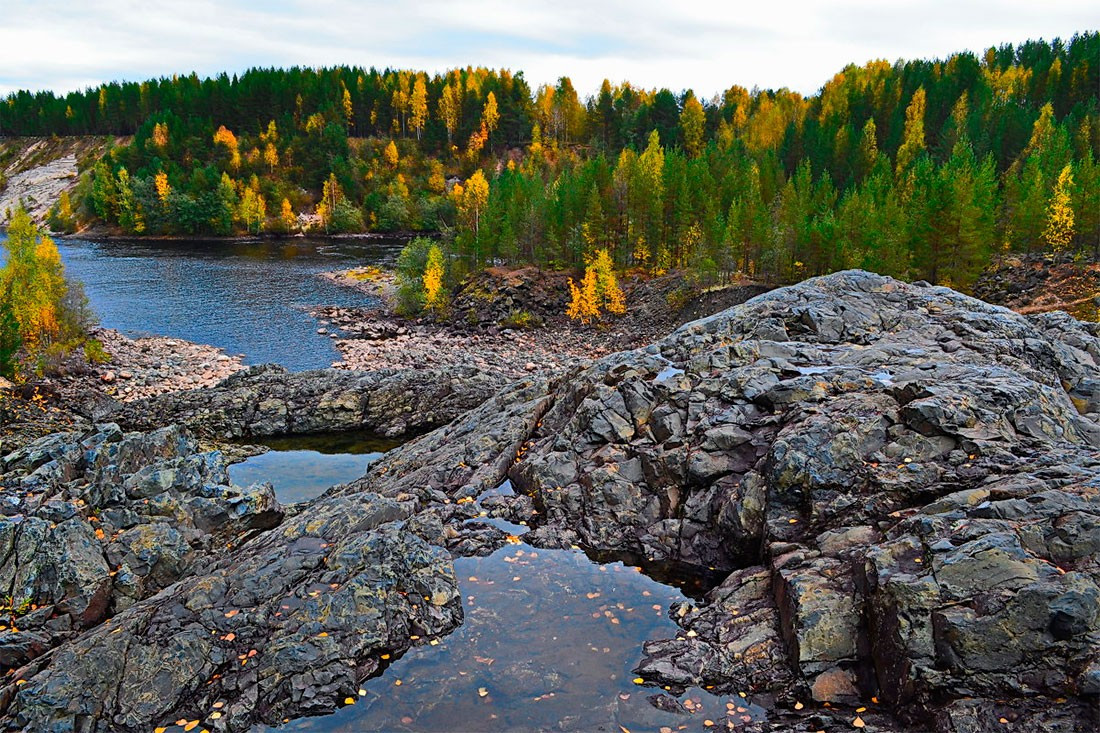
(910, 476)
(269, 400)
(900, 483)
(290, 622)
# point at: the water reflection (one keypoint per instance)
(548, 643)
(302, 467)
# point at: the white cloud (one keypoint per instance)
(702, 45)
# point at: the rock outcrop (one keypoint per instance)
(900, 483)
(269, 400)
(93, 523)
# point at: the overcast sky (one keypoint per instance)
(706, 46)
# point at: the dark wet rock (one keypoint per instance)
(290, 622)
(268, 400)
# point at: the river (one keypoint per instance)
(249, 298)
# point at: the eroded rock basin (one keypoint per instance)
(302, 467)
(548, 642)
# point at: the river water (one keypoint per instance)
(249, 298)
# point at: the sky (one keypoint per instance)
(704, 46)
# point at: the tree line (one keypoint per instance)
(919, 168)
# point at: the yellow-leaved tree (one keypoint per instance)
(226, 138)
(599, 289)
(435, 297)
(32, 283)
(582, 300)
(418, 106)
(162, 186)
(287, 217)
(1059, 230)
(390, 155)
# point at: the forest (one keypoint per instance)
(922, 169)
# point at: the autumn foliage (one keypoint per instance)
(435, 298)
(38, 311)
(599, 290)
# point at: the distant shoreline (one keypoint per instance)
(239, 239)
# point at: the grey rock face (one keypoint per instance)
(92, 523)
(914, 471)
(268, 400)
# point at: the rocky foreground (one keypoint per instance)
(900, 483)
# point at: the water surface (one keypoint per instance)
(303, 467)
(249, 298)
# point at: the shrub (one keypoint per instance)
(521, 319)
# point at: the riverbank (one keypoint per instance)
(843, 458)
(155, 365)
(99, 233)
(510, 321)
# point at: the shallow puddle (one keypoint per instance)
(548, 643)
(302, 467)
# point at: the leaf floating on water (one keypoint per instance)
(215, 715)
(192, 725)
(407, 720)
(159, 730)
(231, 614)
(638, 681)
(362, 693)
(397, 683)
(858, 723)
(798, 706)
(349, 700)
(482, 692)
(624, 730)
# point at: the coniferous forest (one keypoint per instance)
(920, 169)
